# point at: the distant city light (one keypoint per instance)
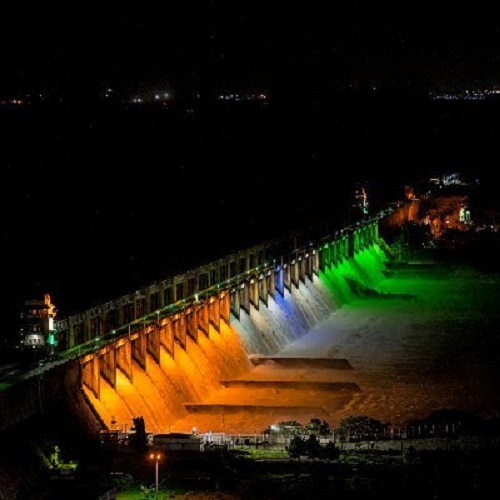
(242, 96)
(467, 94)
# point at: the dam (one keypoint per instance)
(171, 369)
(165, 352)
(282, 331)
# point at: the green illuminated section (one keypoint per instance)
(369, 266)
(52, 338)
(333, 278)
(350, 276)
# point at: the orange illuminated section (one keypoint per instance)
(160, 393)
(50, 309)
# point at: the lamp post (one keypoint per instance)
(156, 457)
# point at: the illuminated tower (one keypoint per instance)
(48, 314)
(360, 203)
(37, 326)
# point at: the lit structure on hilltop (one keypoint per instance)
(361, 200)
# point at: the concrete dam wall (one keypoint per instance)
(45, 390)
(198, 369)
(197, 386)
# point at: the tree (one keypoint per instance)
(330, 451)
(410, 455)
(123, 481)
(360, 427)
(312, 447)
(291, 427)
(138, 439)
(296, 448)
(324, 428)
(316, 426)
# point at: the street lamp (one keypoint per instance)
(156, 457)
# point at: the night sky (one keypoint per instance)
(99, 201)
(199, 45)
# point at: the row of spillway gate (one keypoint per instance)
(169, 326)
